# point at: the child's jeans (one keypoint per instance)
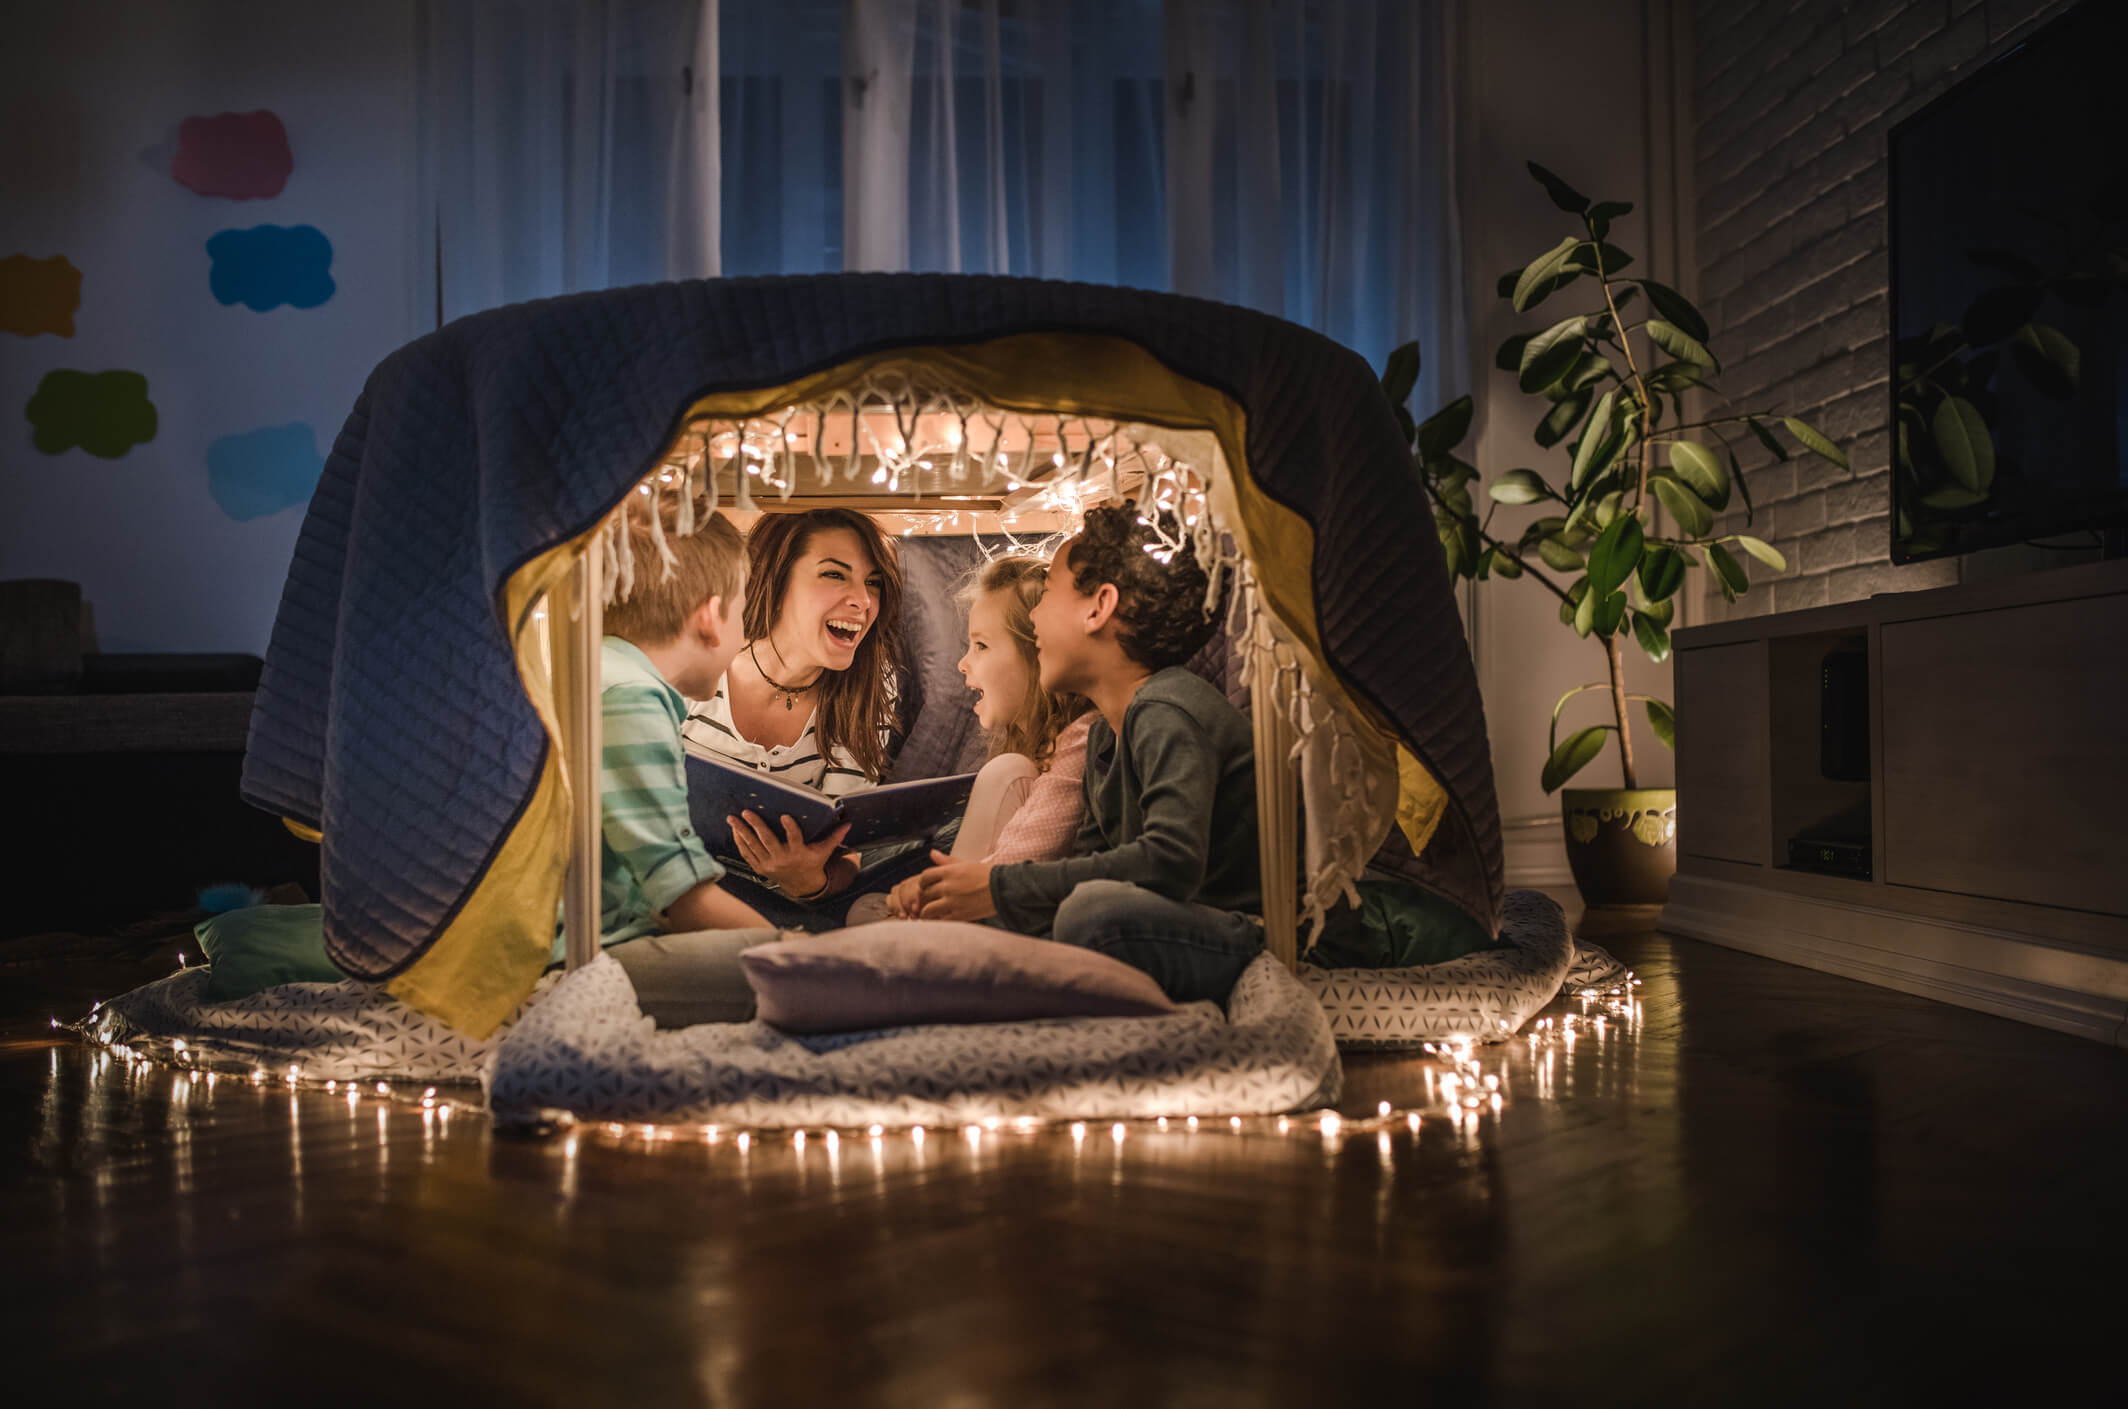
(1192, 951)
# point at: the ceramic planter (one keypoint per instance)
(1621, 844)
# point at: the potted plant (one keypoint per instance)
(1611, 378)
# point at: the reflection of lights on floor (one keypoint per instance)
(1463, 1081)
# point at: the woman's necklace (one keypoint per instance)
(790, 693)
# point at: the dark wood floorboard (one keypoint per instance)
(1777, 1187)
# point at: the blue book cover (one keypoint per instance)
(896, 812)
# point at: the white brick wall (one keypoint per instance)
(1793, 103)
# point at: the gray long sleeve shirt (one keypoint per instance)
(1171, 806)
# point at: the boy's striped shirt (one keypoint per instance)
(651, 855)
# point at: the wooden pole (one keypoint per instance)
(1277, 794)
(577, 624)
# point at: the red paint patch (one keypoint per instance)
(243, 156)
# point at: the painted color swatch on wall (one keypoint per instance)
(269, 265)
(243, 156)
(39, 295)
(264, 471)
(105, 413)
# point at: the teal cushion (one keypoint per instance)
(266, 945)
(1396, 926)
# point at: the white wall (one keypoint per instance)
(85, 90)
(1588, 91)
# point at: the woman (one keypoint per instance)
(811, 696)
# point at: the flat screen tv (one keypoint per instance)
(2009, 299)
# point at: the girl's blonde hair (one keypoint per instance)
(1034, 726)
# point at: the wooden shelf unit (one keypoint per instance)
(1997, 794)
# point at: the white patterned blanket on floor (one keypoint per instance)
(332, 1031)
(587, 1049)
(1484, 997)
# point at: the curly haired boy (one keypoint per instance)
(1164, 875)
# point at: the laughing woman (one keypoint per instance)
(810, 699)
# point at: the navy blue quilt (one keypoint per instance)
(390, 716)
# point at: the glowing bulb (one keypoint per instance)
(1115, 1132)
(874, 1131)
(1382, 1109)
(879, 476)
(1163, 1122)
(916, 1133)
(1234, 1121)
(1193, 1122)
(1331, 1123)
(1078, 1130)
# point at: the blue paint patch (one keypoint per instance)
(269, 265)
(264, 471)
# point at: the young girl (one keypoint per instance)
(1026, 803)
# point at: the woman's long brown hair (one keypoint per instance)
(856, 706)
(1034, 726)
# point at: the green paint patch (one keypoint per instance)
(104, 413)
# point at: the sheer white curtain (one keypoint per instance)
(781, 103)
(565, 145)
(1294, 156)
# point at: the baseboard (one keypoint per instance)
(1991, 970)
(1533, 852)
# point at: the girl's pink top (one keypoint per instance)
(1047, 824)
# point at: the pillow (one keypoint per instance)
(263, 947)
(903, 972)
(1397, 926)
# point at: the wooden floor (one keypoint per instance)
(1775, 1187)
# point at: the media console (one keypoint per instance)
(1971, 847)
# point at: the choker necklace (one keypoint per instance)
(789, 692)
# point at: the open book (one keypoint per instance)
(897, 812)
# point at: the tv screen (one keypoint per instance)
(2009, 298)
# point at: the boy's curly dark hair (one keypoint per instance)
(1160, 611)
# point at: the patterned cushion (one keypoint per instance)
(1485, 996)
(588, 1049)
(343, 1031)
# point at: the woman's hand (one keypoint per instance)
(784, 858)
(955, 890)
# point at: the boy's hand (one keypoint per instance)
(906, 898)
(785, 858)
(955, 890)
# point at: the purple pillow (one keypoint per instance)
(903, 972)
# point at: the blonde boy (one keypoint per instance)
(669, 640)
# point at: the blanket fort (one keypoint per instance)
(406, 714)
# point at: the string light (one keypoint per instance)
(1453, 1076)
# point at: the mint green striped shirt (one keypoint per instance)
(650, 856)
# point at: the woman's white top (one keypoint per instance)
(708, 732)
